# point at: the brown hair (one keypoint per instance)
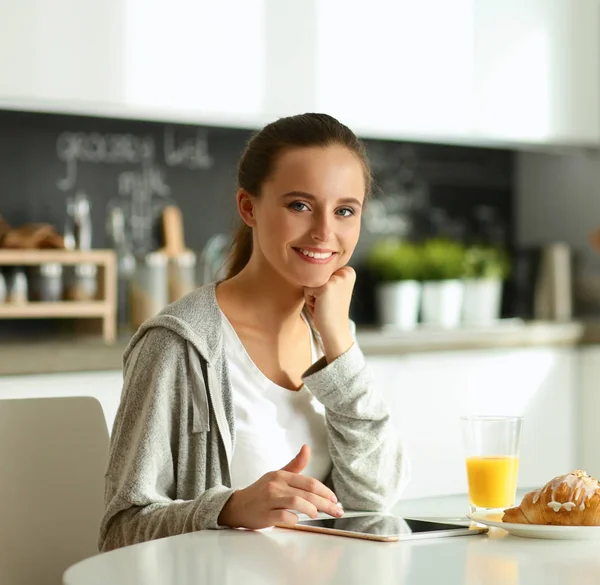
(260, 155)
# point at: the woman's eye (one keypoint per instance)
(345, 211)
(298, 206)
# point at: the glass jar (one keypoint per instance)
(50, 282)
(149, 292)
(182, 275)
(18, 289)
(3, 288)
(84, 283)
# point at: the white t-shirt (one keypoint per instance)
(272, 422)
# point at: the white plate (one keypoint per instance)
(494, 518)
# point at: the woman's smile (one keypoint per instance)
(315, 255)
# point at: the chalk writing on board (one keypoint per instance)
(148, 179)
(139, 187)
(73, 148)
(142, 179)
(189, 152)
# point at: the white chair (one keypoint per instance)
(53, 454)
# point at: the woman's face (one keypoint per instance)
(307, 218)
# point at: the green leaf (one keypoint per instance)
(394, 260)
(443, 259)
(486, 262)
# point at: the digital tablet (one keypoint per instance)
(384, 528)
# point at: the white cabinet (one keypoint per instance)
(201, 59)
(401, 68)
(555, 389)
(465, 71)
(64, 50)
(428, 393)
(504, 71)
(590, 408)
(537, 70)
(197, 61)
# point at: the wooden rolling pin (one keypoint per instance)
(595, 240)
(182, 260)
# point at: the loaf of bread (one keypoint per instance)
(32, 236)
(4, 228)
(566, 500)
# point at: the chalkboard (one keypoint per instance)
(47, 158)
(44, 159)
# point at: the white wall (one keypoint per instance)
(558, 199)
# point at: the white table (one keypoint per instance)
(276, 556)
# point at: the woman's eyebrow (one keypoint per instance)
(311, 197)
(300, 194)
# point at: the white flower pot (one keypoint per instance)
(398, 303)
(482, 301)
(442, 303)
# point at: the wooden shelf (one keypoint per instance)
(62, 309)
(36, 257)
(104, 309)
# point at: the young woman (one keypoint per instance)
(249, 399)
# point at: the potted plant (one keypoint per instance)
(485, 269)
(443, 270)
(397, 266)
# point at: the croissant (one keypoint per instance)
(567, 500)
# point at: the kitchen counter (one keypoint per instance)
(507, 333)
(48, 356)
(591, 332)
(83, 354)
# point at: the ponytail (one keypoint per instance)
(241, 250)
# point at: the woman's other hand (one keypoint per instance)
(330, 307)
(269, 500)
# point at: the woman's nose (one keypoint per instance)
(321, 228)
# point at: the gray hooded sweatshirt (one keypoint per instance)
(174, 432)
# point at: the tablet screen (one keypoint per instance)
(382, 525)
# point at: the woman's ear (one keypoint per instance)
(245, 205)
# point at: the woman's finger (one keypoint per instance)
(310, 484)
(297, 504)
(276, 517)
(320, 503)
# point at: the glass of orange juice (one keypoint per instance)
(492, 451)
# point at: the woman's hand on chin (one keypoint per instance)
(329, 306)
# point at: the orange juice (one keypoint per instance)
(492, 481)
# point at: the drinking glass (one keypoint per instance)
(492, 457)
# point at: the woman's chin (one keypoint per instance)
(313, 281)
(309, 276)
